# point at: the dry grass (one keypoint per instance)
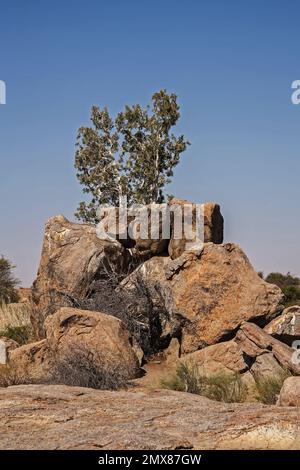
(228, 388)
(9, 376)
(269, 387)
(15, 322)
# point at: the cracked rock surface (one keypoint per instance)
(61, 417)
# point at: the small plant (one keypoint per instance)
(228, 388)
(10, 376)
(80, 367)
(269, 387)
(20, 334)
(15, 322)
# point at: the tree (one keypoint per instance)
(289, 284)
(7, 282)
(133, 155)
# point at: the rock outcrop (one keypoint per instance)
(290, 392)
(212, 230)
(70, 331)
(252, 354)
(286, 327)
(72, 258)
(204, 296)
(255, 342)
(60, 417)
(160, 237)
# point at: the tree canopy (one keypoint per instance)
(133, 155)
(7, 282)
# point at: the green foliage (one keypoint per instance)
(21, 334)
(290, 286)
(133, 155)
(228, 388)
(269, 387)
(7, 282)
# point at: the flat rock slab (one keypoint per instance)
(61, 417)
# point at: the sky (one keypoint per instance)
(231, 63)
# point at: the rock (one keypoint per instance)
(255, 342)
(31, 362)
(72, 258)
(10, 344)
(286, 327)
(165, 240)
(104, 336)
(3, 354)
(213, 226)
(226, 357)
(6, 346)
(265, 366)
(24, 294)
(61, 417)
(203, 295)
(72, 331)
(172, 352)
(129, 232)
(290, 392)
(253, 354)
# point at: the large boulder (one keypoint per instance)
(290, 392)
(203, 296)
(104, 336)
(212, 230)
(71, 332)
(72, 258)
(286, 326)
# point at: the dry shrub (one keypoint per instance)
(77, 367)
(9, 376)
(83, 368)
(228, 388)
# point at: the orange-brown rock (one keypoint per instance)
(206, 294)
(212, 230)
(224, 357)
(290, 392)
(70, 331)
(254, 342)
(102, 335)
(72, 257)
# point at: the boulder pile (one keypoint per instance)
(127, 300)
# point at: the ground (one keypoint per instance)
(61, 417)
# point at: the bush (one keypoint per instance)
(228, 388)
(77, 368)
(269, 387)
(80, 368)
(7, 282)
(290, 286)
(20, 334)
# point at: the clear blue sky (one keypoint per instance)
(230, 62)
